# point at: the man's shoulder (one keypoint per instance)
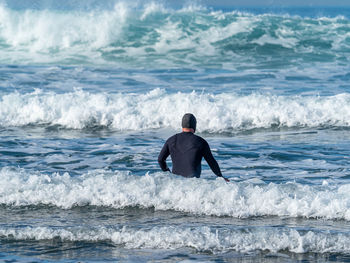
(172, 138)
(199, 138)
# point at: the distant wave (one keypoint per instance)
(206, 239)
(154, 35)
(225, 112)
(169, 192)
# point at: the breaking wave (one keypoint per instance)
(153, 35)
(200, 238)
(225, 112)
(169, 192)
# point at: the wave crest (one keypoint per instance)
(170, 192)
(200, 238)
(139, 36)
(226, 112)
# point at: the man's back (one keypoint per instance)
(187, 150)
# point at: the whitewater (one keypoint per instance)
(156, 109)
(119, 190)
(90, 91)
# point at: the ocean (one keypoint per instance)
(91, 90)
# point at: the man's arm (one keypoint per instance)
(164, 153)
(208, 156)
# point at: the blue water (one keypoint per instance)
(89, 92)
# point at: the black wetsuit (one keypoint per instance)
(186, 150)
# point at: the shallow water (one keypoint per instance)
(84, 114)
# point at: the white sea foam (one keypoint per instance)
(158, 109)
(169, 192)
(199, 238)
(44, 30)
(103, 36)
(151, 8)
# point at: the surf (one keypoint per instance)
(130, 35)
(158, 109)
(201, 239)
(120, 189)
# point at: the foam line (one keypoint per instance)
(156, 109)
(170, 192)
(200, 238)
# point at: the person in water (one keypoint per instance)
(187, 150)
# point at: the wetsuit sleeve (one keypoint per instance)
(208, 156)
(164, 153)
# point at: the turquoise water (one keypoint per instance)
(89, 92)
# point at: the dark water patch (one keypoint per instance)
(299, 78)
(244, 78)
(124, 160)
(344, 77)
(262, 167)
(347, 176)
(15, 154)
(103, 152)
(132, 82)
(55, 164)
(283, 156)
(13, 143)
(236, 154)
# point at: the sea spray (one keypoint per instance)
(169, 192)
(225, 112)
(154, 35)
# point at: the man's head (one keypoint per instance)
(189, 122)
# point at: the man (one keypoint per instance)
(187, 150)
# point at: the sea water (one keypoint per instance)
(90, 91)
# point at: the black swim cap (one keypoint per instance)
(189, 121)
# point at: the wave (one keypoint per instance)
(169, 192)
(152, 34)
(204, 239)
(225, 112)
